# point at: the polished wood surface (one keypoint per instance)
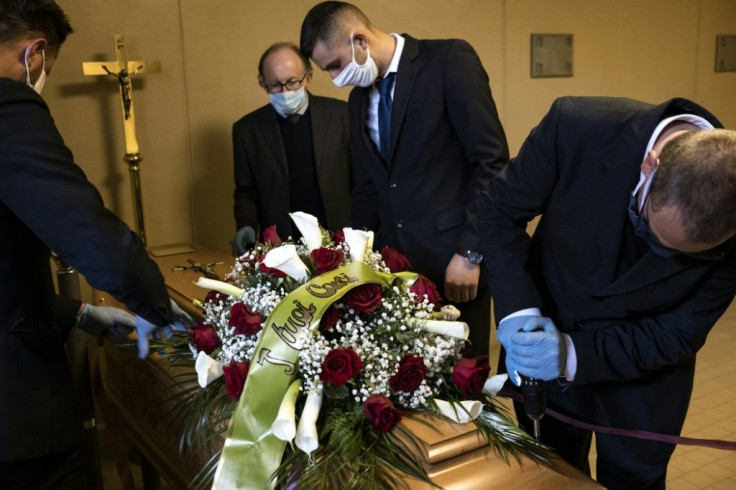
(142, 390)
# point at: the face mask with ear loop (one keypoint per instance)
(38, 86)
(359, 75)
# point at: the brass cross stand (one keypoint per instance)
(123, 70)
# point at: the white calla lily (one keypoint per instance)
(223, 287)
(306, 434)
(284, 427)
(285, 259)
(369, 243)
(461, 412)
(309, 228)
(358, 241)
(494, 384)
(208, 369)
(458, 330)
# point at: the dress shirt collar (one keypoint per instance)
(393, 67)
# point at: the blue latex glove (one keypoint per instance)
(144, 328)
(244, 239)
(537, 351)
(513, 325)
(112, 322)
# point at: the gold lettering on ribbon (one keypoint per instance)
(330, 288)
(264, 355)
(299, 318)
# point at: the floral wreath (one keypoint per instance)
(371, 344)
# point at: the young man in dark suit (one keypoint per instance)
(47, 203)
(630, 266)
(425, 140)
(291, 154)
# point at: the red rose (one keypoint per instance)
(410, 374)
(329, 319)
(381, 413)
(471, 374)
(204, 338)
(365, 298)
(214, 296)
(271, 236)
(337, 236)
(326, 259)
(235, 375)
(245, 320)
(340, 365)
(424, 286)
(395, 260)
(270, 271)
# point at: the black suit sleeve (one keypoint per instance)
(474, 116)
(49, 193)
(66, 312)
(622, 349)
(515, 197)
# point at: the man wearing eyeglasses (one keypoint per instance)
(290, 155)
(631, 265)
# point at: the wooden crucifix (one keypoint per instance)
(124, 70)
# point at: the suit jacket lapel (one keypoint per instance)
(613, 217)
(320, 128)
(405, 77)
(362, 98)
(268, 128)
(619, 175)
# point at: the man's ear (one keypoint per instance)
(261, 83)
(34, 49)
(360, 39)
(650, 163)
(308, 79)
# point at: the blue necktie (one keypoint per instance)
(385, 103)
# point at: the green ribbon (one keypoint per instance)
(251, 453)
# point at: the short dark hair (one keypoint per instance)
(283, 45)
(697, 175)
(21, 18)
(325, 22)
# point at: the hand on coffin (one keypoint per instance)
(244, 239)
(144, 328)
(114, 323)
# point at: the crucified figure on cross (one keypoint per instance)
(123, 77)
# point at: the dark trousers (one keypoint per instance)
(622, 462)
(63, 471)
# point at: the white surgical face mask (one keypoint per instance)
(288, 103)
(38, 86)
(359, 75)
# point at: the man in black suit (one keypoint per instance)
(425, 140)
(47, 203)
(629, 268)
(291, 154)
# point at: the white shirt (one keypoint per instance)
(372, 116)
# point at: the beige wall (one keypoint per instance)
(209, 49)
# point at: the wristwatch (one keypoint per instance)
(474, 258)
